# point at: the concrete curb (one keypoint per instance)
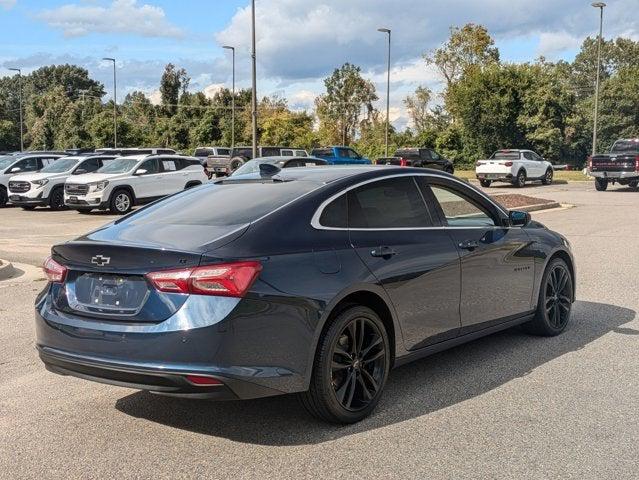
(539, 206)
(6, 270)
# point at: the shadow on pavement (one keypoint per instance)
(412, 391)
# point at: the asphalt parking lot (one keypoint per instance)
(506, 406)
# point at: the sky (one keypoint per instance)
(299, 42)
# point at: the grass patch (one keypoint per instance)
(568, 176)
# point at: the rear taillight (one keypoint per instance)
(203, 381)
(55, 272)
(225, 279)
(403, 162)
(589, 163)
(477, 164)
(509, 164)
(637, 163)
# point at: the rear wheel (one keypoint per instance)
(633, 184)
(520, 179)
(56, 201)
(3, 197)
(236, 162)
(485, 183)
(555, 300)
(601, 184)
(547, 180)
(350, 368)
(121, 202)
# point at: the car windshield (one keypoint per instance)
(252, 166)
(203, 152)
(59, 166)
(6, 161)
(624, 146)
(121, 165)
(504, 155)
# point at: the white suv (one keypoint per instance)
(21, 163)
(132, 180)
(514, 166)
(46, 187)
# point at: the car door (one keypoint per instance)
(173, 178)
(425, 159)
(438, 161)
(497, 269)
(531, 166)
(148, 184)
(416, 262)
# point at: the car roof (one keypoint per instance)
(320, 174)
(284, 158)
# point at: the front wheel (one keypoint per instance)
(485, 183)
(350, 368)
(633, 184)
(520, 179)
(121, 202)
(555, 300)
(601, 184)
(3, 197)
(547, 180)
(56, 202)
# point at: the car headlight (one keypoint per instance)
(98, 186)
(40, 183)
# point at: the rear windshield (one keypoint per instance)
(505, 156)
(623, 146)
(322, 152)
(222, 205)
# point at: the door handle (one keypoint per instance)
(469, 244)
(384, 252)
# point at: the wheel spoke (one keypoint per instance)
(370, 379)
(340, 351)
(339, 366)
(379, 354)
(353, 386)
(376, 341)
(367, 393)
(341, 391)
(360, 335)
(352, 331)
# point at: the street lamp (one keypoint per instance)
(115, 103)
(387, 30)
(254, 81)
(232, 49)
(20, 96)
(600, 6)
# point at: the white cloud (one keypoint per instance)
(552, 44)
(7, 4)
(210, 90)
(121, 16)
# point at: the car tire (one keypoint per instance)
(601, 184)
(485, 183)
(56, 199)
(633, 184)
(4, 198)
(28, 208)
(350, 367)
(84, 211)
(121, 202)
(520, 179)
(449, 169)
(548, 177)
(236, 162)
(555, 300)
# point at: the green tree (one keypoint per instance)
(173, 84)
(340, 108)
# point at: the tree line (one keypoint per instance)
(485, 104)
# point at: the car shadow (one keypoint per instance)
(413, 390)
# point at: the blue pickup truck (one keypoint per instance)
(340, 156)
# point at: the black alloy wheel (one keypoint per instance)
(350, 368)
(555, 300)
(520, 179)
(547, 180)
(56, 202)
(4, 198)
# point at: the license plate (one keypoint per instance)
(14, 198)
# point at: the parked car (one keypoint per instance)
(316, 281)
(46, 187)
(253, 166)
(418, 157)
(225, 165)
(132, 180)
(340, 156)
(621, 165)
(21, 163)
(514, 166)
(204, 152)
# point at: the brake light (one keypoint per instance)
(509, 164)
(590, 163)
(403, 162)
(225, 279)
(202, 380)
(55, 272)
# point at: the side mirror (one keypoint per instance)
(141, 171)
(15, 170)
(518, 218)
(80, 171)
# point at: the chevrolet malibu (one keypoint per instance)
(316, 281)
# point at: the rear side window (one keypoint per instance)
(425, 153)
(322, 152)
(271, 152)
(392, 203)
(169, 166)
(334, 215)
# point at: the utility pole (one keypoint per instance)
(387, 30)
(254, 80)
(600, 6)
(115, 104)
(232, 49)
(20, 96)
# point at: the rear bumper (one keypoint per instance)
(615, 175)
(495, 177)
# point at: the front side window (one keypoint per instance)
(27, 165)
(353, 154)
(391, 203)
(528, 156)
(151, 166)
(435, 155)
(120, 165)
(343, 153)
(459, 211)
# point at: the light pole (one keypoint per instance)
(20, 96)
(254, 81)
(387, 30)
(115, 104)
(600, 6)
(232, 49)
